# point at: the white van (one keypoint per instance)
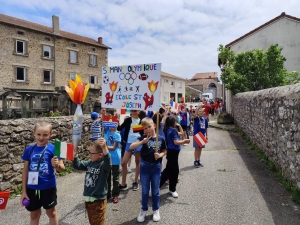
(207, 96)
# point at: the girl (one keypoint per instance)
(171, 171)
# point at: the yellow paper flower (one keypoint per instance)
(77, 91)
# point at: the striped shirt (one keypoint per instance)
(96, 129)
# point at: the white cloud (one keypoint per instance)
(181, 34)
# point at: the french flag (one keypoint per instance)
(200, 139)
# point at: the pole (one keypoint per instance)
(157, 128)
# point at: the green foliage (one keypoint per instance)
(252, 70)
(292, 78)
(68, 169)
(51, 114)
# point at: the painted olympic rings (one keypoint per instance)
(129, 77)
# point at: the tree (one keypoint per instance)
(252, 70)
(292, 78)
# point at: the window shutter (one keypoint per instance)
(52, 52)
(96, 58)
(26, 48)
(91, 59)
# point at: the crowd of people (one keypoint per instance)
(159, 138)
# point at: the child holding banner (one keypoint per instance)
(38, 177)
(200, 125)
(95, 185)
(150, 167)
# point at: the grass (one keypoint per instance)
(295, 193)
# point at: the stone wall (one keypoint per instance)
(271, 118)
(16, 135)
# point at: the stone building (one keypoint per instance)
(37, 61)
(204, 83)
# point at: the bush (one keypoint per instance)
(51, 114)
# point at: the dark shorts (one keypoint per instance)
(184, 127)
(123, 148)
(46, 199)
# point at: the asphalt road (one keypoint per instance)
(234, 187)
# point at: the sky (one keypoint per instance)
(183, 35)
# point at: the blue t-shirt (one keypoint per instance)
(115, 155)
(200, 125)
(183, 120)
(148, 149)
(172, 134)
(47, 177)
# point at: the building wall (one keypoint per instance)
(35, 63)
(285, 32)
(166, 88)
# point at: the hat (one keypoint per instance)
(94, 115)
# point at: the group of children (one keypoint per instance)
(106, 155)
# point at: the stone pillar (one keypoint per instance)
(4, 107)
(23, 106)
(50, 103)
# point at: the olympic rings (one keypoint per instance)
(129, 77)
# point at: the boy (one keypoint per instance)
(95, 127)
(113, 142)
(95, 186)
(150, 167)
(200, 125)
(38, 177)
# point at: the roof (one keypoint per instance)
(48, 30)
(282, 15)
(171, 76)
(208, 75)
(200, 82)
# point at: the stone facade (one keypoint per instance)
(271, 118)
(16, 135)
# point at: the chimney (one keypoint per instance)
(100, 40)
(55, 24)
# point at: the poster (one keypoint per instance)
(131, 87)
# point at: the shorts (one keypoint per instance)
(46, 198)
(195, 144)
(184, 127)
(134, 150)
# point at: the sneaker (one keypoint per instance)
(129, 170)
(174, 194)
(115, 199)
(156, 216)
(141, 217)
(200, 163)
(196, 164)
(135, 186)
(123, 187)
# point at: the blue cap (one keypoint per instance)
(94, 115)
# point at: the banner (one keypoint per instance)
(131, 87)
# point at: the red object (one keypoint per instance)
(78, 93)
(182, 99)
(123, 111)
(4, 195)
(200, 139)
(143, 76)
(70, 151)
(110, 118)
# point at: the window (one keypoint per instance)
(166, 81)
(172, 84)
(47, 39)
(47, 78)
(20, 74)
(20, 32)
(72, 76)
(73, 57)
(47, 52)
(93, 60)
(20, 47)
(93, 49)
(73, 44)
(180, 84)
(93, 79)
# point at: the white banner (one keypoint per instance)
(131, 87)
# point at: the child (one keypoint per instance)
(113, 145)
(150, 167)
(173, 148)
(38, 177)
(95, 127)
(129, 138)
(200, 125)
(95, 186)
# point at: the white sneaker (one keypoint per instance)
(174, 194)
(141, 217)
(129, 170)
(156, 216)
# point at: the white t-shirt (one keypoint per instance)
(132, 137)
